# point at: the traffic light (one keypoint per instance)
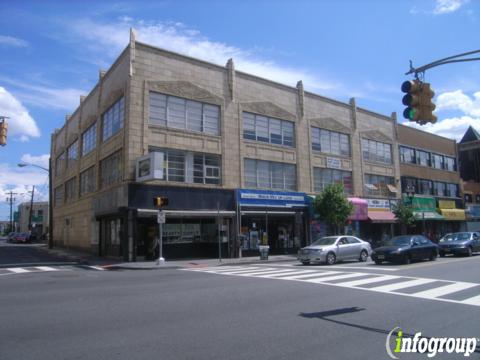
(413, 89)
(3, 133)
(160, 201)
(418, 99)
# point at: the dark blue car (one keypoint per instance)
(405, 249)
(461, 243)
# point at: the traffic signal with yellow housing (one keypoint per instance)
(160, 201)
(418, 99)
(3, 133)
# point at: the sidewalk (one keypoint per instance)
(113, 264)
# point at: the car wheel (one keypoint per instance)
(305, 262)
(406, 259)
(331, 258)
(433, 256)
(469, 251)
(378, 262)
(363, 256)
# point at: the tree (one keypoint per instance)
(405, 216)
(333, 206)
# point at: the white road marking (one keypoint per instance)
(45, 268)
(18, 270)
(447, 287)
(97, 267)
(444, 290)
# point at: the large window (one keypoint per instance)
(423, 158)
(376, 151)
(189, 167)
(270, 175)
(407, 155)
(178, 113)
(70, 189)
(323, 177)
(273, 131)
(112, 119)
(452, 190)
(437, 161)
(330, 142)
(378, 185)
(111, 170)
(450, 163)
(89, 139)
(60, 164)
(58, 195)
(425, 187)
(87, 181)
(439, 188)
(72, 154)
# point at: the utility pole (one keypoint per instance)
(11, 200)
(31, 211)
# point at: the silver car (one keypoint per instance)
(331, 249)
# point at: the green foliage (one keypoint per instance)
(333, 206)
(404, 214)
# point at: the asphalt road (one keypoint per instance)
(17, 254)
(179, 314)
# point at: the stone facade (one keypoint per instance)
(142, 68)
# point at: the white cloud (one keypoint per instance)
(111, 38)
(46, 96)
(20, 123)
(12, 41)
(448, 6)
(452, 128)
(457, 100)
(41, 160)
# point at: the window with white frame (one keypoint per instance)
(111, 169)
(89, 139)
(179, 113)
(378, 184)
(87, 181)
(376, 151)
(266, 129)
(269, 175)
(190, 167)
(323, 177)
(112, 119)
(330, 142)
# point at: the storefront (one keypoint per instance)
(472, 213)
(277, 219)
(454, 217)
(381, 220)
(355, 223)
(200, 222)
(429, 221)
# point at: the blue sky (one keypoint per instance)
(52, 52)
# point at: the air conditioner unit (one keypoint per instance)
(150, 167)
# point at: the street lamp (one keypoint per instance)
(50, 198)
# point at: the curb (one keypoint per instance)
(58, 263)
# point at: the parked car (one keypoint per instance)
(11, 236)
(331, 249)
(21, 237)
(461, 243)
(405, 249)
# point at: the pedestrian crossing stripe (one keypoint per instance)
(37, 269)
(443, 290)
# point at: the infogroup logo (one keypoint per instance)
(430, 346)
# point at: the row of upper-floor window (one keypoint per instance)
(112, 122)
(411, 185)
(410, 155)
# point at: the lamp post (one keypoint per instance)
(50, 197)
(410, 189)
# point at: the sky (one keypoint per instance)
(52, 52)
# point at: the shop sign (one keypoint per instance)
(446, 204)
(473, 211)
(270, 198)
(379, 204)
(150, 166)
(334, 163)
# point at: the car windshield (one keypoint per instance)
(398, 241)
(455, 237)
(325, 241)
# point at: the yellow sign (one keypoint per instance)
(453, 214)
(446, 204)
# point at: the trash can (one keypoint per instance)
(264, 251)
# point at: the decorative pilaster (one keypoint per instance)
(133, 39)
(353, 104)
(231, 77)
(301, 99)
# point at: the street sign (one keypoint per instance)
(161, 217)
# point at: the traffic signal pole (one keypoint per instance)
(447, 60)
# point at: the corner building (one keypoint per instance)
(236, 155)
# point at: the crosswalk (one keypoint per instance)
(38, 269)
(425, 288)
